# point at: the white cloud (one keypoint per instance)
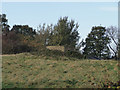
(111, 9)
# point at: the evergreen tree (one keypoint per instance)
(65, 33)
(23, 29)
(96, 43)
(4, 24)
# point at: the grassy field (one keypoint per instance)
(29, 71)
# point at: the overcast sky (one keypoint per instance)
(87, 14)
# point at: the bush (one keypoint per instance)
(13, 43)
(56, 54)
(74, 54)
(47, 52)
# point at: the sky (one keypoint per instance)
(86, 14)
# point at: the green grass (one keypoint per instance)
(29, 71)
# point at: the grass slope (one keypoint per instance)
(29, 71)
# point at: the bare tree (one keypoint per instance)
(112, 32)
(118, 43)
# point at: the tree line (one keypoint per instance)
(97, 45)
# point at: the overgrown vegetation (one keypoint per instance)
(22, 38)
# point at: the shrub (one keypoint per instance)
(13, 43)
(74, 54)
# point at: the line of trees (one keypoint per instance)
(22, 38)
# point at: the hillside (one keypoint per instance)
(30, 71)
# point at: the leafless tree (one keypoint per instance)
(112, 32)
